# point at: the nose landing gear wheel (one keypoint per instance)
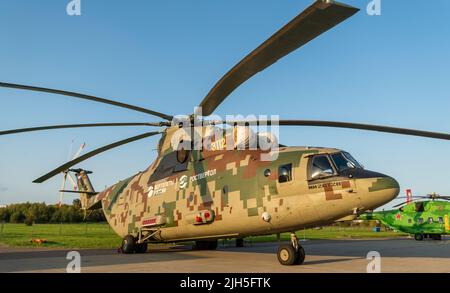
(286, 255)
(300, 256)
(291, 254)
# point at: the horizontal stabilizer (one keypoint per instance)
(79, 191)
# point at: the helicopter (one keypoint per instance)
(421, 218)
(207, 183)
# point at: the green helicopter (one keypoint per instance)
(418, 217)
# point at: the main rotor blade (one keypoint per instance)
(426, 197)
(86, 97)
(400, 204)
(315, 20)
(379, 128)
(413, 200)
(370, 127)
(14, 131)
(86, 156)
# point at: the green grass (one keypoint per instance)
(100, 235)
(92, 235)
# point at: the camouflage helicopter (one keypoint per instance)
(202, 194)
(423, 219)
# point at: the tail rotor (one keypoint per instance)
(66, 174)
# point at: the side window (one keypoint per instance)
(420, 220)
(285, 173)
(320, 167)
(441, 220)
(409, 221)
(430, 220)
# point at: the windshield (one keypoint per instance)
(344, 161)
(351, 159)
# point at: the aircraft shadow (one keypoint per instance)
(359, 248)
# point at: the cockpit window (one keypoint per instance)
(344, 161)
(351, 159)
(341, 162)
(320, 167)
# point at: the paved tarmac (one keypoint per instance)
(397, 255)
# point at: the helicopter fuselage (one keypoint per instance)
(234, 193)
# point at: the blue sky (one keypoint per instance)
(392, 69)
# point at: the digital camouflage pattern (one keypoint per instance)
(224, 194)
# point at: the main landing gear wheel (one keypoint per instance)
(128, 244)
(141, 247)
(418, 237)
(239, 242)
(291, 254)
(205, 245)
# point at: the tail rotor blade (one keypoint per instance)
(63, 185)
(77, 154)
(72, 181)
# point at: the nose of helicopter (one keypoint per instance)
(385, 189)
(376, 189)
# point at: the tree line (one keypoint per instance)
(30, 213)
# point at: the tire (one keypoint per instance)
(128, 244)
(418, 237)
(141, 247)
(287, 255)
(205, 245)
(300, 256)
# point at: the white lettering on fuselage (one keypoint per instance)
(203, 175)
(160, 188)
